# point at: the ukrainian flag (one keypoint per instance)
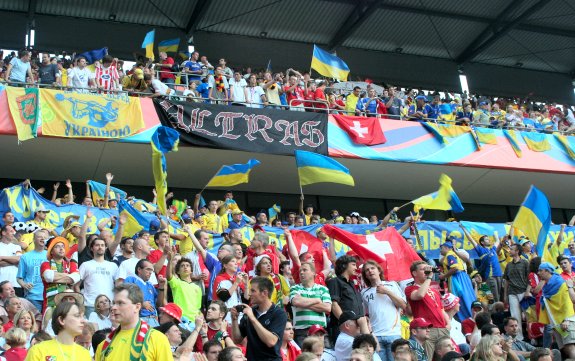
(231, 175)
(486, 135)
(537, 142)
(164, 140)
(148, 44)
(317, 168)
(434, 129)
(329, 65)
(98, 191)
(569, 147)
(444, 199)
(512, 138)
(273, 212)
(534, 218)
(556, 305)
(169, 46)
(134, 219)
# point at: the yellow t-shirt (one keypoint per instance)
(157, 348)
(28, 238)
(54, 350)
(215, 223)
(350, 103)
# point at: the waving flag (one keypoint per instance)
(134, 219)
(169, 46)
(164, 140)
(329, 65)
(537, 142)
(444, 199)
(361, 130)
(180, 206)
(534, 218)
(93, 55)
(148, 44)
(387, 247)
(556, 305)
(231, 175)
(273, 212)
(98, 191)
(305, 242)
(317, 168)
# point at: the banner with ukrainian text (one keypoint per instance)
(76, 115)
(241, 128)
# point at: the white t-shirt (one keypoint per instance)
(128, 268)
(79, 78)
(255, 96)
(160, 87)
(19, 70)
(238, 94)
(98, 279)
(233, 301)
(102, 323)
(343, 347)
(456, 332)
(385, 317)
(8, 273)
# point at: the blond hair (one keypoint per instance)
(20, 314)
(484, 349)
(16, 337)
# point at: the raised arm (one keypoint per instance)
(109, 177)
(560, 236)
(201, 250)
(301, 198)
(88, 191)
(70, 192)
(406, 225)
(292, 248)
(468, 235)
(119, 233)
(55, 193)
(387, 217)
(84, 231)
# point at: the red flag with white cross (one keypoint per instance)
(387, 247)
(361, 130)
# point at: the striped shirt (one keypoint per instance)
(303, 317)
(107, 77)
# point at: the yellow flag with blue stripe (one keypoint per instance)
(556, 306)
(512, 138)
(316, 168)
(328, 64)
(231, 175)
(169, 46)
(537, 142)
(444, 199)
(134, 219)
(534, 218)
(567, 143)
(486, 135)
(148, 44)
(164, 140)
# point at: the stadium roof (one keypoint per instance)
(522, 34)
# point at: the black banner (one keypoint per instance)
(241, 128)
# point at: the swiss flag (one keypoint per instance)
(361, 130)
(387, 247)
(305, 242)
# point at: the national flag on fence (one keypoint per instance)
(164, 140)
(361, 130)
(534, 218)
(444, 199)
(567, 144)
(486, 135)
(24, 106)
(328, 64)
(231, 175)
(387, 247)
(317, 168)
(537, 142)
(512, 138)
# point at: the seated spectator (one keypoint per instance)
(17, 340)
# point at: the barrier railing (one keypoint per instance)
(289, 107)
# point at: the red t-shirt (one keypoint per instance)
(430, 307)
(198, 347)
(154, 257)
(15, 354)
(467, 326)
(67, 267)
(166, 72)
(319, 95)
(296, 95)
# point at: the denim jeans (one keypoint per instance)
(385, 347)
(37, 304)
(151, 320)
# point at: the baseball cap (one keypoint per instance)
(420, 323)
(483, 103)
(173, 310)
(347, 316)
(451, 355)
(476, 304)
(523, 240)
(139, 73)
(316, 329)
(154, 226)
(448, 244)
(421, 97)
(237, 211)
(547, 266)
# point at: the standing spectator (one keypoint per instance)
(107, 77)
(79, 76)
(351, 100)
(207, 68)
(153, 297)
(220, 87)
(166, 74)
(185, 292)
(457, 278)
(425, 302)
(418, 111)
(310, 303)
(516, 283)
(230, 284)
(28, 276)
(238, 91)
(10, 253)
(384, 302)
(98, 275)
(19, 69)
(392, 103)
(192, 94)
(293, 90)
(226, 71)
(272, 90)
(319, 96)
(566, 267)
(193, 68)
(263, 324)
(133, 336)
(256, 97)
(58, 273)
(160, 89)
(289, 349)
(48, 73)
(451, 306)
(127, 268)
(371, 105)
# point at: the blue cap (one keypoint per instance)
(421, 97)
(547, 266)
(186, 217)
(483, 103)
(448, 244)
(154, 226)
(284, 223)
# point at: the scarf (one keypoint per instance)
(220, 86)
(139, 338)
(53, 289)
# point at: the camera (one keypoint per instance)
(239, 308)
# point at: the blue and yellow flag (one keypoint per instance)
(537, 142)
(98, 191)
(534, 218)
(434, 129)
(164, 140)
(317, 168)
(444, 199)
(134, 219)
(148, 44)
(169, 46)
(486, 135)
(329, 65)
(567, 144)
(512, 138)
(231, 175)
(93, 55)
(273, 212)
(556, 305)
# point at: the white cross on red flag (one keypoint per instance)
(387, 247)
(361, 130)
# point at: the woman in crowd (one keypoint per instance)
(289, 349)
(17, 339)
(229, 284)
(101, 314)
(67, 322)
(24, 319)
(280, 295)
(492, 348)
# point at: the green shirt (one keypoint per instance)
(305, 318)
(188, 296)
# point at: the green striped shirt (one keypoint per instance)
(304, 318)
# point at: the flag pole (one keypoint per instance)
(211, 179)
(403, 205)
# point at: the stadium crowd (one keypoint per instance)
(200, 81)
(161, 295)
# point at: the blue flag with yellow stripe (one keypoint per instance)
(231, 175)
(164, 140)
(169, 46)
(317, 168)
(444, 199)
(534, 218)
(328, 64)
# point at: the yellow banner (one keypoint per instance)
(76, 115)
(23, 105)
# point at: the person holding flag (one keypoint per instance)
(459, 282)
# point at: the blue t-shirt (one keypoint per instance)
(432, 110)
(19, 70)
(149, 291)
(204, 90)
(371, 105)
(214, 266)
(413, 109)
(29, 271)
(488, 262)
(194, 66)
